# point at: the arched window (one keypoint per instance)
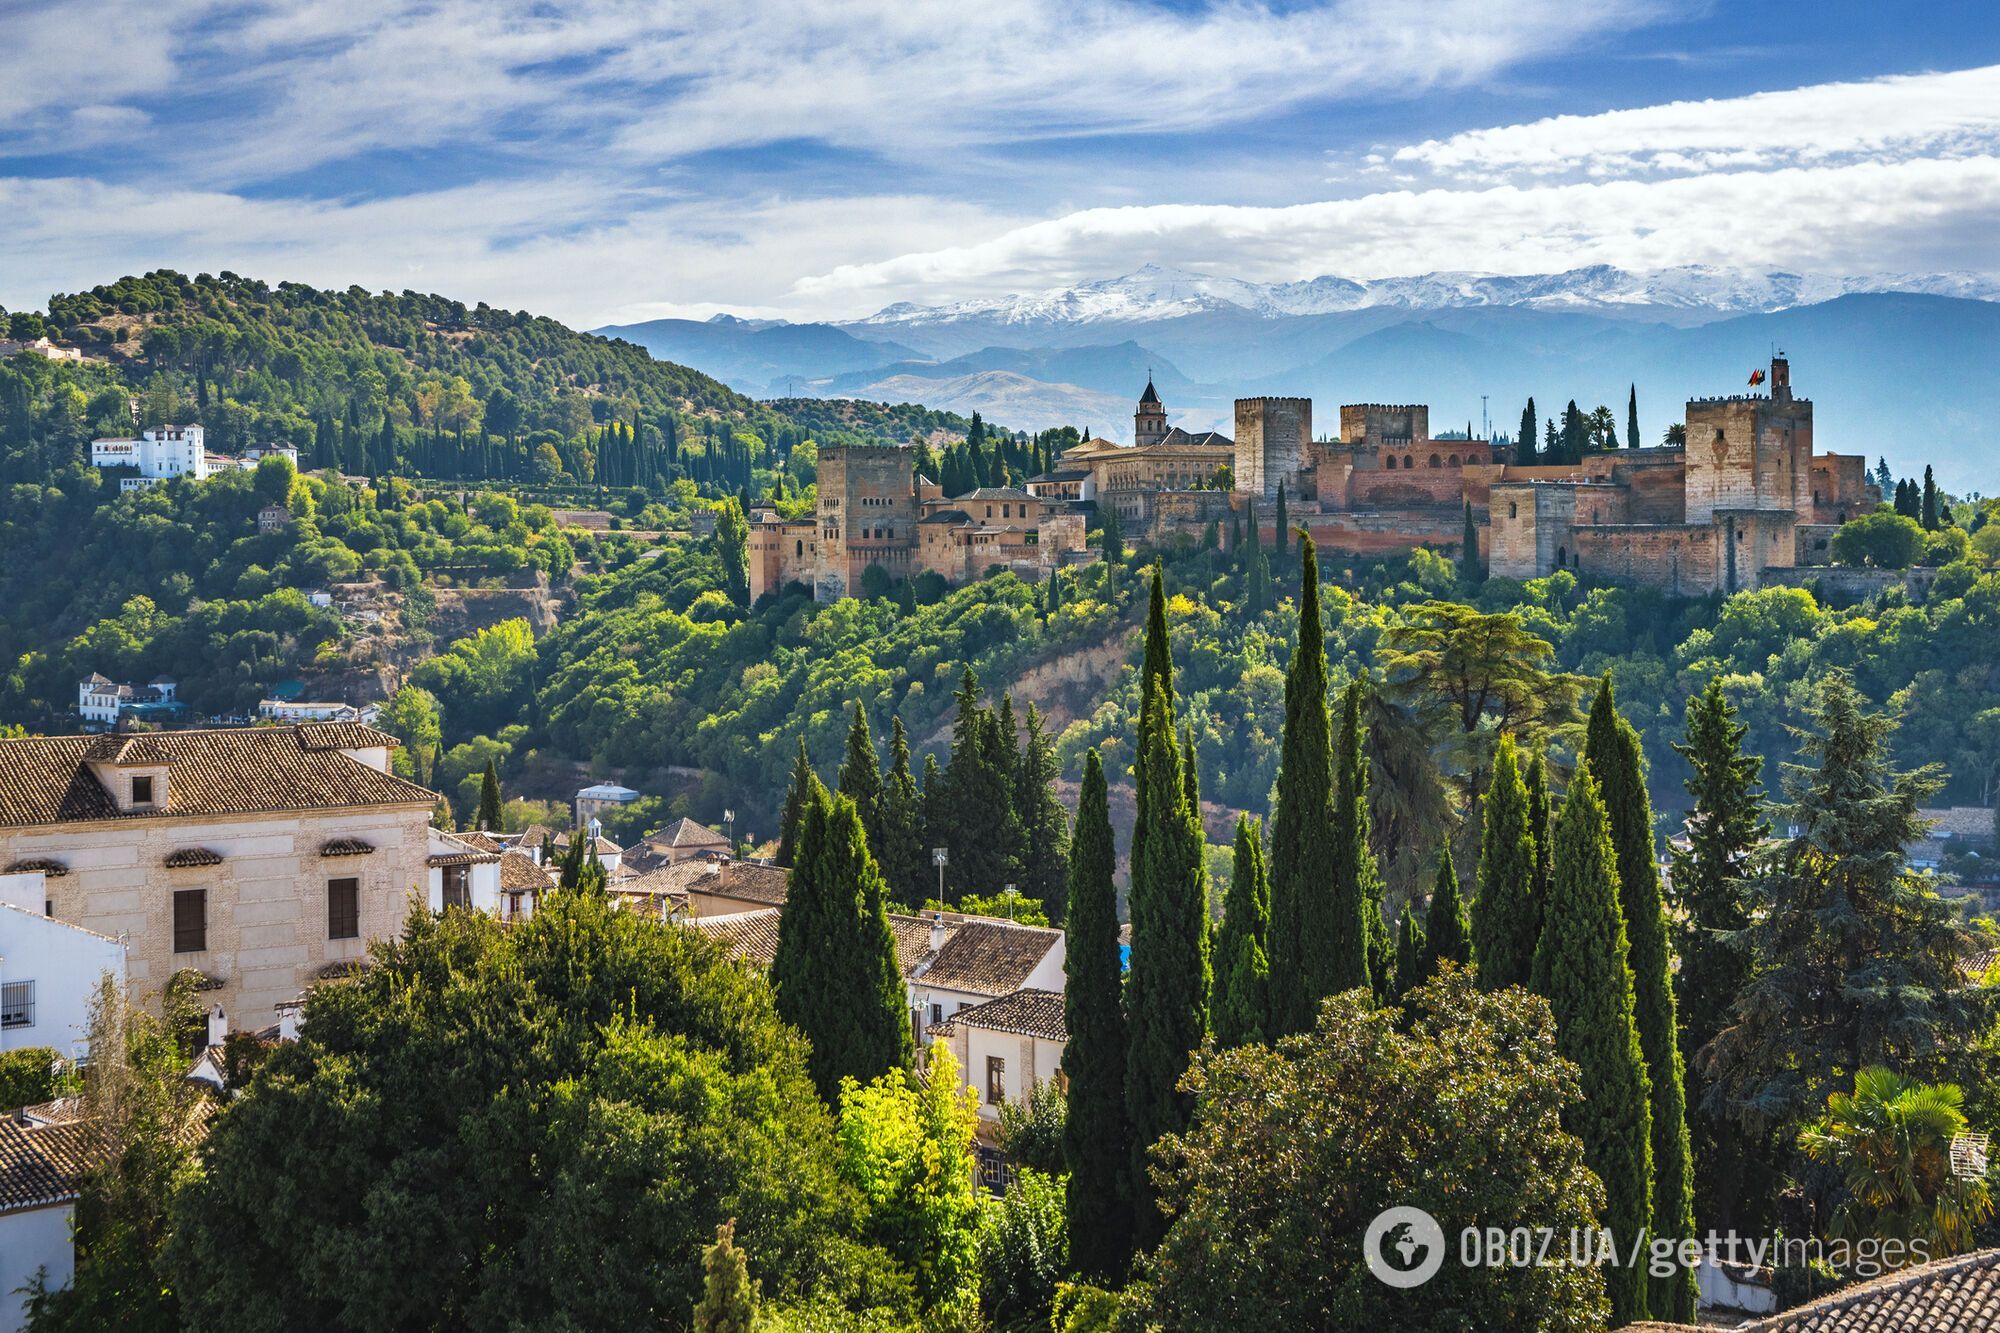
(1452, 461)
(1562, 556)
(799, 549)
(1436, 461)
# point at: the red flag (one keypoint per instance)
(1756, 377)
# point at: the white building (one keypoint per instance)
(301, 710)
(257, 453)
(49, 969)
(160, 454)
(103, 701)
(1007, 1046)
(464, 872)
(603, 796)
(41, 1172)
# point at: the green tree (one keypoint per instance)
(488, 818)
(861, 780)
(1930, 501)
(907, 1144)
(1242, 971)
(1112, 536)
(1166, 1010)
(835, 968)
(1884, 539)
(1506, 916)
(1539, 827)
(1410, 951)
(732, 547)
(1282, 533)
(1613, 753)
(1892, 1137)
(906, 864)
(1044, 822)
(1303, 935)
(1096, 1134)
(803, 779)
(641, 1091)
(1447, 932)
(1470, 570)
(1023, 1251)
(1711, 905)
(1293, 1151)
(1632, 418)
(728, 1297)
(1855, 957)
(1580, 966)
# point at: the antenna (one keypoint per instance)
(1485, 423)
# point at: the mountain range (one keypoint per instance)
(1903, 366)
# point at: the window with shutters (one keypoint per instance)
(343, 909)
(996, 1080)
(190, 920)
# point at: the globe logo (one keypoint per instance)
(1403, 1247)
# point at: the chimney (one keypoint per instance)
(937, 931)
(218, 1027)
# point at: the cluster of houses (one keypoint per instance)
(262, 861)
(162, 453)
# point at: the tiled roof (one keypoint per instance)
(52, 869)
(520, 874)
(1030, 1013)
(687, 833)
(749, 936)
(459, 851)
(480, 842)
(46, 780)
(996, 493)
(913, 940)
(42, 1164)
(1960, 1293)
(343, 736)
(750, 881)
(182, 858)
(346, 847)
(946, 516)
(989, 957)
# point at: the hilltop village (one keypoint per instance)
(1743, 497)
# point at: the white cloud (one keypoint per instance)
(1920, 215)
(1933, 115)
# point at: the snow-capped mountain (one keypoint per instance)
(1156, 293)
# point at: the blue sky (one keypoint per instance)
(616, 159)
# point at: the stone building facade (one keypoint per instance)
(262, 858)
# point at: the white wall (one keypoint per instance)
(1030, 1060)
(33, 1239)
(66, 963)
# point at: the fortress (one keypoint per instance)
(1743, 500)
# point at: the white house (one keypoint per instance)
(1007, 1046)
(298, 710)
(603, 796)
(464, 872)
(104, 701)
(159, 453)
(41, 1171)
(49, 969)
(257, 453)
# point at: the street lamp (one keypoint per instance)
(1008, 894)
(939, 856)
(729, 821)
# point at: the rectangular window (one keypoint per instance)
(343, 909)
(190, 920)
(996, 1080)
(458, 886)
(142, 791)
(17, 1004)
(937, 1014)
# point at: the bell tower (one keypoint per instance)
(1149, 423)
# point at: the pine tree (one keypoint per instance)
(1447, 933)
(1242, 970)
(1709, 892)
(1410, 951)
(1613, 753)
(1580, 968)
(905, 864)
(1632, 418)
(728, 1297)
(1470, 572)
(1302, 848)
(835, 966)
(1166, 1012)
(795, 799)
(1096, 1132)
(1506, 917)
(1044, 823)
(488, 819)
(861, 779)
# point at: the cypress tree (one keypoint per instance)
(1580, 968)
(1302, 848)
(489, 800)
(1381, 948)
(1632, 419)
(1538, 829)
(1612, 751)
(1044, 823)
(861, 779)
(1242, 970)
(1506, 917)
(1280, 537)
(1355, 881)
(1469, 569)
(1156, 675)
(1524, 443)
(937, 820)
(728, 1297)
(1410, 953)
(1929, 516)
(1096, 1134)
(905, 864)
(1166, 1012)
(795, 798)
(835, 966)
(1447, 933)
(1256, 565)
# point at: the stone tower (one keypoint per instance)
(1271, 439)
(1149, 423)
